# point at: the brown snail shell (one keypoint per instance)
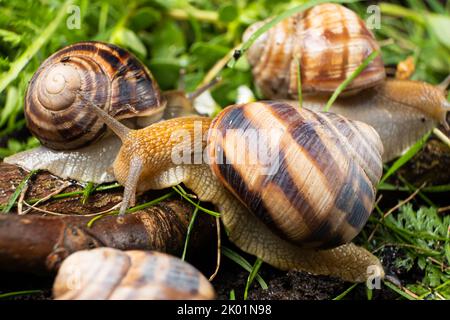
(322, 189)
(330, 42)
(105, 74)
(111, 274)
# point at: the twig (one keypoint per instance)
(211, 278)
(376, 227)
(217, 68)
(443, 209)
(401, 203)
(21, 199)
(442, 136)
(63, 186)
(192, 12)
(64, 214)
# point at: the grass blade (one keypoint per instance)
(349, 79)
(87, 191)
(12, 200)
(343, 294)
(252, 275)
(393, 287)
(186, 197)
(131, 210)
(406, 157)
(237, 258)
(18, 293)
(189, 230)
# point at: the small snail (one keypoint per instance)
(330, 42)
(112, 78)
(316, 195)
(111, 274)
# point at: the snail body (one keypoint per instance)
(301, 214)
(111, 274)
(330, 42)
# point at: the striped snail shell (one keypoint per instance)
(320, 189)
(111, 274)
(102, 73)
(329, 41)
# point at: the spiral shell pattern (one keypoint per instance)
(318, 188)
(111, 274)
(102, 73)
(329, 42)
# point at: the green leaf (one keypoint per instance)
(9, 36)
(126, 38)
(206, 54)
(440, 26)
(228, 13)
(168, 41)
(144, 18)
(12, 102)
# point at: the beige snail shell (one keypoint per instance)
(329, 41)
(111, 274)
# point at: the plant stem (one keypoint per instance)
(399, 11)
(191, 12)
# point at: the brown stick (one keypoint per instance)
(38, 243)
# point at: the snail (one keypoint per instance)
(329, 42)
(112, 78)
(111, 274)
(300, 210)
